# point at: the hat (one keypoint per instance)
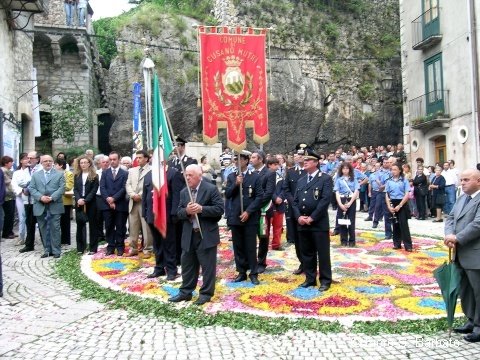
(245, 154)
(309, 154)
(180, 141)
(301, 148)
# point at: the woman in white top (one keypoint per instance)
(21, 178)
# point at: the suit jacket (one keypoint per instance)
(174, 184)
(209, 197)
(420, 185)
(135, 183)
(312, 200)
(252, 198)
(91, 187)
(54, 188)
(114, 188)
(278, 192)
(268, 179)
(464, 223)
(290, 183)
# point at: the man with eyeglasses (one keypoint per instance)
(46, 188)
(30, 220)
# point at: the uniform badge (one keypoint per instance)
(316, 193)
(250, 191)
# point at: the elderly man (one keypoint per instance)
(200, 214)
(46, 188)
(134, 189)
(462, 232)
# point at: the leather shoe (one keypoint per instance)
(44, 256)
(171, 277)
(156, 274)
(335, 233)
(240, 277)
(180, 297)
(368, 219)
(397, 247)
(324, 287)
(261, 269)
(375, 225)
(109, 252)
(201, 301)
(352, 244)
(437, 220)
(299, 271)
(25, 249)
(92, 253)
(57, 256)
(465, 329)
(409, 249)
(307, 284)
(473, 337)
(119, 253)
(254, 279)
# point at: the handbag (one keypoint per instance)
(440, 199)
(81, 214)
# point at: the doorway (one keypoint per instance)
(440, 149)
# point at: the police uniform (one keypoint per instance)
(347, 189)
(396, 190)
(383, 175)
(244, 234)
(312, 199)
(374, 187)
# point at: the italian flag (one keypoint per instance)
(162, 147)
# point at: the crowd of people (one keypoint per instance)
(260, 192)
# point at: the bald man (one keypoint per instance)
(462, 233)
(200, 235)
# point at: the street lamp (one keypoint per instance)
(387, 83)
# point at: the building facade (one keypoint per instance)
(440, 55)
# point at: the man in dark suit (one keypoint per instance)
(244, 224)
(267, 179)
(180, 162)
(114, 205)
(46, 188)
(290, 186)
(310, 208)
(163, 248)
(200, 214)
(462, 232)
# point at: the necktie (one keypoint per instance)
(114, 173)
(310, 178)
(47, 176)
(194, 219)
(194, 195)
(139, 177)
(467, 200)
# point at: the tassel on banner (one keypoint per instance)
(199, 103)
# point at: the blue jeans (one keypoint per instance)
(81, 16)
(69, 9)
(450, 197)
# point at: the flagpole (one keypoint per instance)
(239, 171)
(182, 166)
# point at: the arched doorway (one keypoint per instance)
(440, 144)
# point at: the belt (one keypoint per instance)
(448, 185)
(345, 196)
(197, 230)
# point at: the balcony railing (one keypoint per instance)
(426, 29)
(30, 6)
(430, 110)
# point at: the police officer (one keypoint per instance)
(290, 186)
(310, 208)
(244, 224)
(180, 162)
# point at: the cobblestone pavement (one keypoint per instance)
(41, 317)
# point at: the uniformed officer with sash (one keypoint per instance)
(310, 208)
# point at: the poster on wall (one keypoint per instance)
(11, 142)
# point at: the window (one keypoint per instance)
(434, 98)
(431, 23)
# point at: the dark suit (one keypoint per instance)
(91, 187)
(290, 187)
(244, 234)
(312, 200)
(176, 163)
(164, 248)
(267, 179)
(420, 191)
(464, 222)
(197, 250)
(115, 219)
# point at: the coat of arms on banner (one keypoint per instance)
(234, 91)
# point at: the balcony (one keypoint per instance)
(426, 29)
(430, 111)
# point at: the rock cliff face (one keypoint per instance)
(327, 66)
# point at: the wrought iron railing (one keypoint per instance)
(432, 105)
(426, 28)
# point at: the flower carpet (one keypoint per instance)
(371, 282)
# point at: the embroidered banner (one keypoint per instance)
(234, 84)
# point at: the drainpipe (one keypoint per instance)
(472, 25)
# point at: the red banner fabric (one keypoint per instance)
(234, 85)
